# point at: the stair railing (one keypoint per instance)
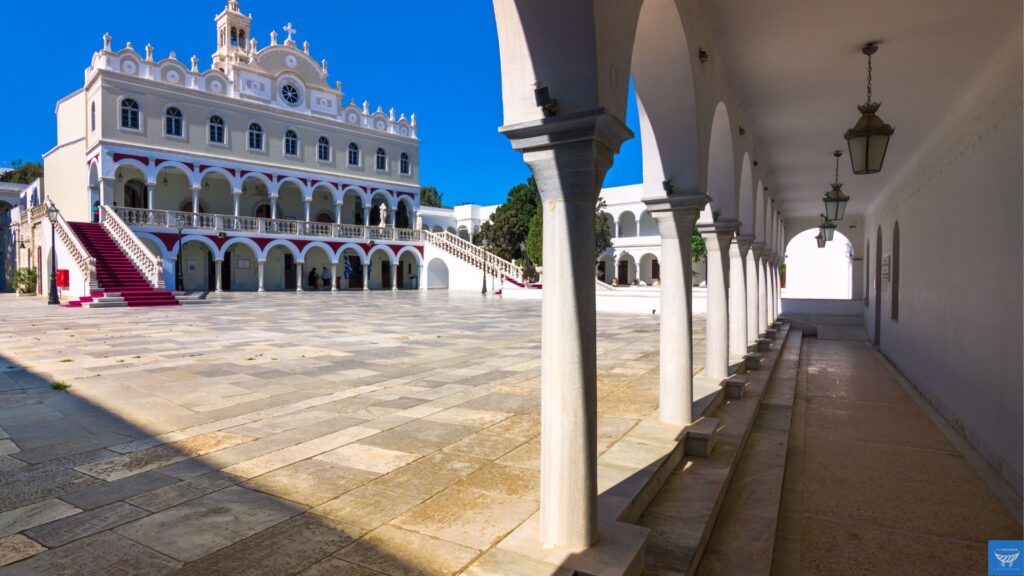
(474, 254)
(150, 265)
(85, 263)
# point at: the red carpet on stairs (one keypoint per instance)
(115, 273)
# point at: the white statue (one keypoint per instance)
(383, 215)
(419, 220)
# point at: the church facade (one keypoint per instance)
(232, 175)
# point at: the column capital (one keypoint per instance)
(236, 191)
(677, 214)
(718, 235)
(759, 250)
(745, 242)
(586, 143)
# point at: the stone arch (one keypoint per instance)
(353, 199)
(759, 212)
(648, 270)
(626, 225)
(286, 244)
(178, 167)
(605, 271)
(663, 79)
(820, 273)
(746, 197)
(409, 261)
(437, 274)
(196, 260)
(351, 258)
(256, 250)
(625, 269)
(380, 259)
(381, 248)
(721, 174)
(647, 225)
(240, 259)
(173, 252)
(331, 255)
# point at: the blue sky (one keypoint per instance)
(441, 64)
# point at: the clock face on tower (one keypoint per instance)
(290, 94)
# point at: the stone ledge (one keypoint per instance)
(700, 437)
(734, 386)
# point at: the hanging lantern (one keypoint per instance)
(820, 239)
(869, 138)
(835, 200)
(827, 228)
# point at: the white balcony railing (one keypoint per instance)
(246, 224)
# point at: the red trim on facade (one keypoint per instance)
(262, 242)
(300, 244)
(167, 238)
(231, 171)
(160, 161)
(334, 245)
(118, 157)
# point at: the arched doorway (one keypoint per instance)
(820, 273)
(437, 274)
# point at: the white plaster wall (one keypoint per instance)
(461, 276)
(958, 338)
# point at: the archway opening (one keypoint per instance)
(819, 273)
(437, 274)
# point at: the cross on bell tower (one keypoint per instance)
(232, 37)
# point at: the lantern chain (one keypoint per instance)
(869, 78)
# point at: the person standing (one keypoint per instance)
(325, 275)
(312, 278)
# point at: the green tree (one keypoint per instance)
(697, 246)
(508, 226)
(429, 196)
(22, 173)
(535, 237)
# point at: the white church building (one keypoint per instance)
(253, 174)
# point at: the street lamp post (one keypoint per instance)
(179, 280)
(52, 214)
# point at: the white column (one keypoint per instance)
(308, 202)
(750, 261)
(195, 200)
(394, 275)
(366, 215)
(298, 276)
(236, 198)
(737, 300)
(337, 212)
(421, 279)
(149, 195)
(762, 291)
(106, 192)
(334, 276)
(273, 207)
(717, 238)
(676, 217)
(366, 276)
(569, 158)
(259, 276)
(776, 286)
(217, 267)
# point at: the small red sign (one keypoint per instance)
(62, 278)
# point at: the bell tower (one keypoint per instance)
(232, 37)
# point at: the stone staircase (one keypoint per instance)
(120, 282)
(478, 257)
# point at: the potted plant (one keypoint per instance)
(25, 281)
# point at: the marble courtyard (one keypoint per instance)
(325, 432)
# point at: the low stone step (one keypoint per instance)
(700, 437)
(763, 344)
(735, 386)
(753, 361)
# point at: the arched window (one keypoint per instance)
(404, 163)
(234, 36)
(291, 143)
(353, 154)
(129, 114)
(895, 312)
(323, 149)
(92, 116)
(172, 122)
(255, 136)
(216, 130)
(382, 159)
